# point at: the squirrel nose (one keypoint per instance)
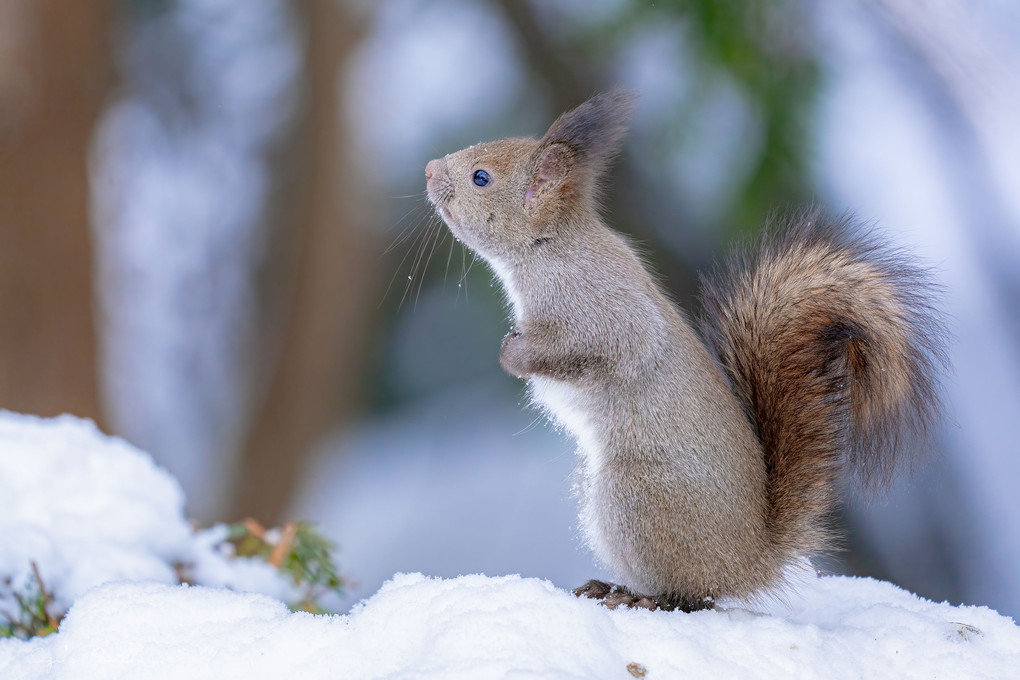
(432, 169)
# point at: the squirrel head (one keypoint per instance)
(505, 198)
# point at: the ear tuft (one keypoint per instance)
(594, 130)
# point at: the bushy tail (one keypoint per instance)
(832, 342)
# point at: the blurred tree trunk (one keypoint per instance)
(55, 68)
(317, 378)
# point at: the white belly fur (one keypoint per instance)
(561, 402)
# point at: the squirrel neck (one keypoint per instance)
(582, 271)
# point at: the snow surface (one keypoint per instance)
(104, 525)
(479, 627)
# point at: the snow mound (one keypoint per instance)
(479, 627)
(87, 509)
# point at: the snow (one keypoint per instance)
(89, 509)
(104, 525)
(480, 627)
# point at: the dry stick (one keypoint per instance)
(254, 528)
(282, 546)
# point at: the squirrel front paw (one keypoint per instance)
(513, 354)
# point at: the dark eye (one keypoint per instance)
(481, 178)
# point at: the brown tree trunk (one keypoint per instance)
(317, 377)
(55, 68)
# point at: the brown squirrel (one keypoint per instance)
(707, 465)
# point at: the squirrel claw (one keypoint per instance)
(594, 589)
(612, 596)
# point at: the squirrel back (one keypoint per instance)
(831, 342)
(705, 468)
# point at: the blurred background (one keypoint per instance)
(214, 241)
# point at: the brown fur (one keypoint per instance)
(830, 341)
(694, 482)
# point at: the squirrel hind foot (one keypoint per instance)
(611, 596)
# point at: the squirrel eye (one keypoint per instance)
(481, 178)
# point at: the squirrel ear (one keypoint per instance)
(593, 131)
(552, 165)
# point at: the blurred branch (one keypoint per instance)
(570, 82)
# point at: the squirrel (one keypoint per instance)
(709, 455)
